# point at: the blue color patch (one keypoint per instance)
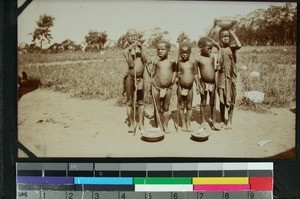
(103, 180)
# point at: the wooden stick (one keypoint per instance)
(135, 95)
(156, 110)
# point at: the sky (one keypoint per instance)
(75, 18)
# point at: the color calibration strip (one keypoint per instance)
(145, 180)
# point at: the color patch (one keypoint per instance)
(260, 166)
(44, 180)
(221, 187)
(52, 187)
(93, 187)
(81, 166)
(162, 180)
(103, 180)
(159, 188)
(221, 180)
(261, 183)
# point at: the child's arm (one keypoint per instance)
(215, 44)
(153, 72)
(216, 63)
(177, 72)
(143, 53)
(236, 39)
(197, 77)
(174, 66)
(128, 58)
(149, 69)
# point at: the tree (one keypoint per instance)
(122, 41)
(157, 35)
(33, 48)
(182, 37)
(70, 45)
(275, 26)
(95, 40)
(55, 48)
(42, 32)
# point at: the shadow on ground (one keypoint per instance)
(26, 85)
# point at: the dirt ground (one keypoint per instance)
(53, 124)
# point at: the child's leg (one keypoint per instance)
(189, 111)
(222, 114)
(181, 105)
(213, 110)
(230, 115)
(222, 105)
(129, 89)
(166, 112)
(231, 107)
(202, 110)
(212, 106)
(141, 117)
(140, 99)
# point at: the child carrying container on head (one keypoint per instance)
(227, 75)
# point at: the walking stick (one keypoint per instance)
(156, 110)
(177, 117)
(177, 114)
(135, 94)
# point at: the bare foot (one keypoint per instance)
(222, 124)
(166, 130)
(216, 126)
(188, 127)
(228, 126)
(184, 129)
(178, 129)
(142, 128)
(131, 129)
(203, 125)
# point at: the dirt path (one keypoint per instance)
(52, 124)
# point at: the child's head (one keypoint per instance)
(185, 50)
(163, 48)
(224, 36)
(131, 35)
(205, 44)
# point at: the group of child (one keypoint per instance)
(213, 76)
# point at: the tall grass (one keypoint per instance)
(277, 68)
(103, 79)
(93, 80)
(65, 56)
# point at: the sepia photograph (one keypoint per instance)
(156, 79)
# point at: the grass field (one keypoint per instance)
(73, 72)
(277, 74)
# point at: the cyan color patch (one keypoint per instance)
(103, 180)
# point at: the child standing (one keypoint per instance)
(164, 73)
(187, 73)
(227, 75)
(133, 80)
(206, 82)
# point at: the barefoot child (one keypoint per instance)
(187, 73)
(227, 74)
(164, 73)
(133, 80)
(206, 82)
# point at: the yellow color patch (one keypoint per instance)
(221, 180)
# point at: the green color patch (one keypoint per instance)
(162, 180)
